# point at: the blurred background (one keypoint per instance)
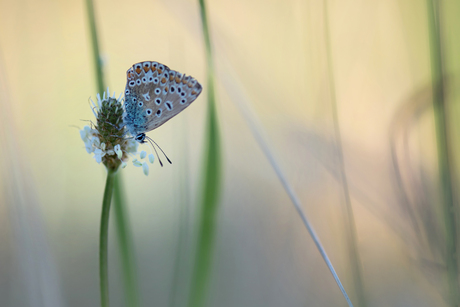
(307, 69)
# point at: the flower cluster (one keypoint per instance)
(107, 139)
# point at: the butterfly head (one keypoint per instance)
(140, 138)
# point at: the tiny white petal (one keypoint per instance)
(89, 149)
(96, 106)
(83, 135)
(98, 155)
(143, 154)
(151, 158)
(87, 129)
(145, 168)
(110, 152)
(99, 152)
(117, 149)
(137, 163)
(103, 146)
(123, 164)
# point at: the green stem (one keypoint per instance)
(95, 43)
(126, 244)
(351, 232)
(103, 240)
(444, 148)
(211, 184)
(122, 226)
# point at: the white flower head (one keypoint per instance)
(108, 140)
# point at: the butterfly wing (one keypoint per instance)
(154, 94)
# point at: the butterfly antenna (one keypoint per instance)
(161, 150)
(159, 160)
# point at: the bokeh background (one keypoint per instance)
(270, 56)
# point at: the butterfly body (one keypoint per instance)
(153, 95)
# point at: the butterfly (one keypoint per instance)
(153, 95)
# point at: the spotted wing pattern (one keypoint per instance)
(154, 94)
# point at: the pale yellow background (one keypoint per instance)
(272, 53)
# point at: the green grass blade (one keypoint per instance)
(351, 233)
(95, 47)
(211, 184)
(449, 207)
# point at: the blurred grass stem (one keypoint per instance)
(103, 239)
(211, 183)
(444, 151)
(350, 231)
(257, 131)
(95, 47)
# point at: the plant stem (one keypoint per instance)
(350, 230)
(95, 45)
(444, 150)
(125, 240)
(211, 183)
(103, 240)
(244, 106)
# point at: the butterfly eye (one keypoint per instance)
(150, 79)
(144, 80)
(182, 94)
(158, 101)
(148, 111)
(173, 89)
(155, 80)
(158, 113)
(140, 104)
(132, 83)
(168, 105)
(138, 81)
(134, 99)
(157, 91)
(127, 92)
(179, 89)
(183, 101)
